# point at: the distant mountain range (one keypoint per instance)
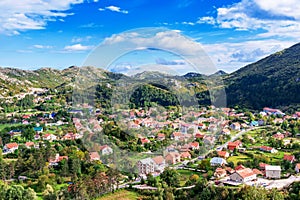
(273, 81)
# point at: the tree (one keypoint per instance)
(170, 176)
(49, 193)
(15, 192)
(29, 194)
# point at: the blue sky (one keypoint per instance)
(58, 34)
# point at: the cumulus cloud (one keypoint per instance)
(31, 14)
(274, 17)
(153, 38)
(114, 9)
(232, 56)
(77, 47)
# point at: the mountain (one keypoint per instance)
(219, 73)
(273, 81)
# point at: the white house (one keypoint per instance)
(106, 150)
(243, 175)
(49, 137)
(10, 147)
(235, 126)
(273, 171)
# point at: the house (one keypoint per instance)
(225, 131)
(29, 144)
(10, 147)
(94, 156)
(243, 175)
(262, 166)
(290, 158)
(145, 140)
(273, 171)
(271, 111)
(223, 154)
(37, 137)
(278, 136)
(209, 140)
(38, 129)
(199, 136)
(175, 136)
(220, 173)
(297, 168)
(185, 155)
(268, 149)
(172, 158)
(57, 159)
(217, 161)
(257, 172)
(160, 163)
(254, 123)
(240, 167)
(161, 136)
(234, 145)
(106, 150)
(49, 137)
(145, 166)
(194, 145)
(235, 126)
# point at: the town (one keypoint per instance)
(229, 147)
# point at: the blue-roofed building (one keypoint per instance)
(217, 161)
(38, 129)
(254, 123)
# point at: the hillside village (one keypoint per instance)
(224, 145)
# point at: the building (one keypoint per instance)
(10, 147)
(268, 149)
(223, 154)
(185, 155)
(271, 111)
(106, 150)
(273, 171)
(220, 173)
(57, 159)
(235, 126)
(243, 175)
(172, 158)
(297, 168)
(94, 156)
(146, 166)
(217, 161)
(160, 163)
(289, 158)
(234, 145)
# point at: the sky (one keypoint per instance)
(59, 34)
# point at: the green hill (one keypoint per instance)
(273, 81)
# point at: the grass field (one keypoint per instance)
(236, 159)
(185, 175)
(121, 195)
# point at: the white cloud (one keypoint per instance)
(31, 14)
(114, 9)
(278, 7)
(77, 47)
(232, 56)
(274, 17)
(38, 46)
(81, 39)
(206, 20)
